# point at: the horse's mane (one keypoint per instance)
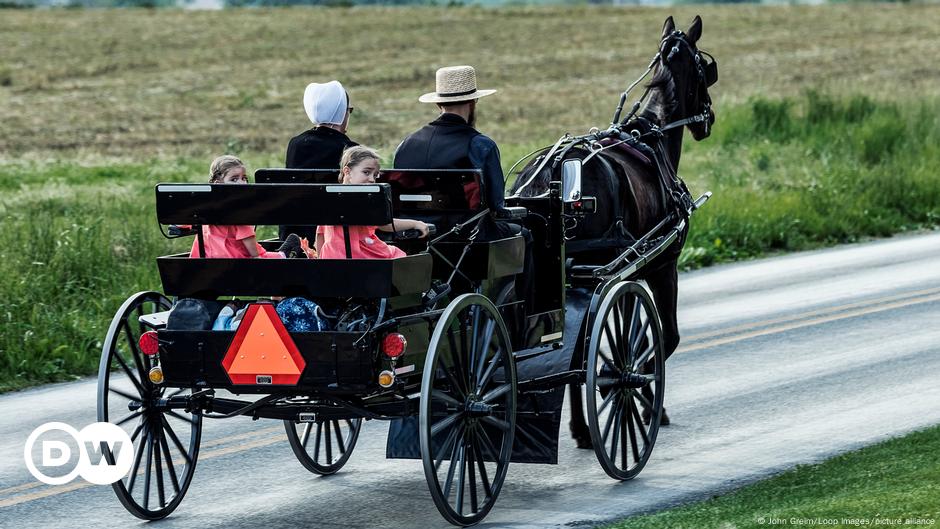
(662, 101)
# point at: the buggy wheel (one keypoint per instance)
(625, 375)
(333, 441)
(165, 440)
(468, 409)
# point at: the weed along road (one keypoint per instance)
(783, 361)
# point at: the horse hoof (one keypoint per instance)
(583, 442)
(663, 419)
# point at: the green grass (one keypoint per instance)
(899, 478)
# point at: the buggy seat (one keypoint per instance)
(296, 204)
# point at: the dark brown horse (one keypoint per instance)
(630, 198)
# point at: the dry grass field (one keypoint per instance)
(135, 84)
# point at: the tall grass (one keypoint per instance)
(787, 173)
(797, 173)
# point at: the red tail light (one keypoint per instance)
(393, 345)
(149, 345)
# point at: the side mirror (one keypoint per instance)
(571, 180)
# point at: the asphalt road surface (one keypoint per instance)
(783, 361)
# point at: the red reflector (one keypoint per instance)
(393, 345)
(149, 345)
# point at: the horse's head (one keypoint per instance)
(693, 71)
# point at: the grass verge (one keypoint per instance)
(892, 484)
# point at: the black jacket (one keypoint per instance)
(317, 148)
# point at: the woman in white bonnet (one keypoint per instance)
(321, 147)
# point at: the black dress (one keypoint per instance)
(317, 148)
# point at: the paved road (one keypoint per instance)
(784, 361)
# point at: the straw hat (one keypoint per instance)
(455, 84)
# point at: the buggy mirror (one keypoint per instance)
(571, 180)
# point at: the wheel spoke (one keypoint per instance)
(475, 315)
(339, 438)
(129, 416)
(135, 351)
(127, 396)
(444, 423)
(440, 395)
(505, 426)
(176, 441)
(644, 357)
(490, 370)
(639, 337)
(455, 360)
(607, 400)
(462, 478)
(616, 345)
(127, 370)
(646, 403)
(316, 442)
(481, 466)
(615, 435)
(136, 468)
(634, 420)
(610, 417)
(158, 467)
(174, 480)
(610, 363)
(306, 435)
(452, 467)
(329, 444)
(472, 474)
(451, 438)
(140, 426)
(498, 392)
(487, 341)
(147, 471)
(488, 444)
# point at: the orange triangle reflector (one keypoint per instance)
(262, 351)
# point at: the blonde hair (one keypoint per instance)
(221, 165)
(354, 156)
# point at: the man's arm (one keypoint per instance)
(484, 154)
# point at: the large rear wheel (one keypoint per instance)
(625, 375)
(165, 439)
(468, 409)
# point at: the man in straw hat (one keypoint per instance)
(451, 141)
(328, 108)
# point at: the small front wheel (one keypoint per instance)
(468, 409)
(323, 446)
(625, 375)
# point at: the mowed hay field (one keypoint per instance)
(139, 83)
(828, 127)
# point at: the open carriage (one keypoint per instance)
(470, 371)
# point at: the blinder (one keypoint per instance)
(709, 69)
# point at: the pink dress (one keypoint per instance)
(362, 241)
(226, 242)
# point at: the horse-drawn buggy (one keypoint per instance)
(451, 343)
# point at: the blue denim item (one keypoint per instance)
(301, 315)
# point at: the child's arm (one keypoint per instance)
(251, 244)
(318, 244)
(406, 224)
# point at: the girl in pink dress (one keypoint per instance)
(360, 165)
(236, 241)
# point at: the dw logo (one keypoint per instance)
(105, 453)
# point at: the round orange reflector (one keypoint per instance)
(149, 345)
(156, 375)
(393, 345)
(386, 379)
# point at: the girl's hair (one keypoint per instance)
(221, 165)
(354, 156)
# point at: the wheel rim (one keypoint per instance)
(324, 446)
(165, 442)
(468, 409)
(625, 376)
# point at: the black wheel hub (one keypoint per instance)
(478, 408)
